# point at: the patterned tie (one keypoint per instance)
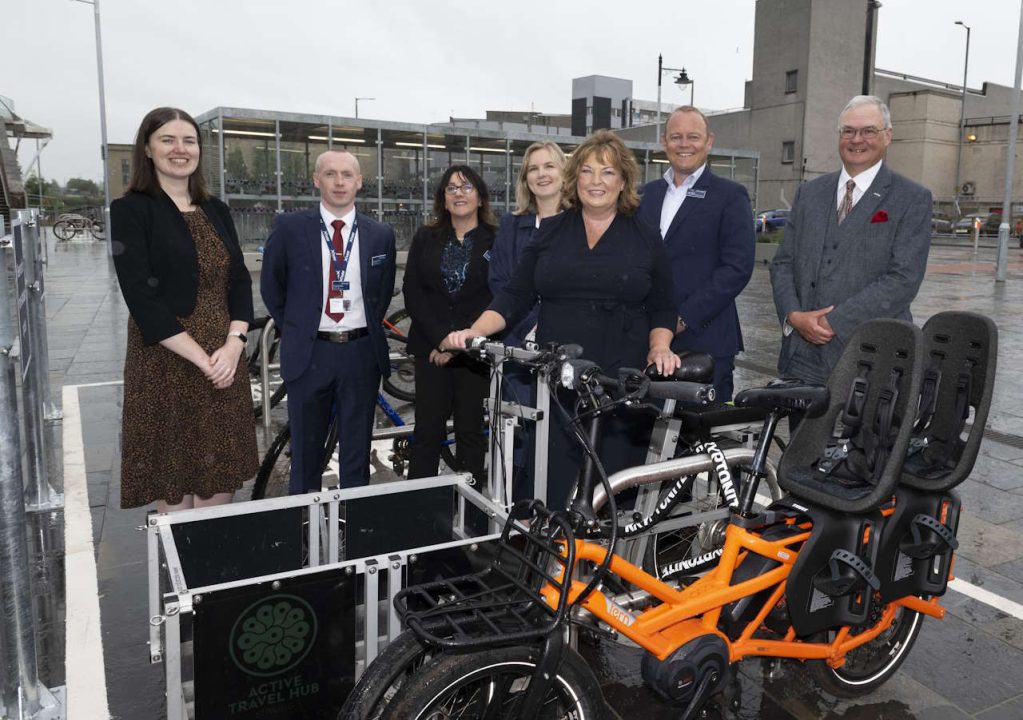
(847, 205)
(339, 250)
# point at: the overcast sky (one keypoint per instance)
(422, 61)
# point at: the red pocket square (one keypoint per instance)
(879, 217)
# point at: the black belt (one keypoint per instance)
(342, 336)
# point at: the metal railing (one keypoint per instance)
(21, 694)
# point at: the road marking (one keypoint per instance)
(85, 672)
(988, 598)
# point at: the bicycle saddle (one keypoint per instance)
(787, 395)
(696, 367)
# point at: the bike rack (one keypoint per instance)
(264, 369)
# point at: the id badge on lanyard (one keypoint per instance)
(339, 284)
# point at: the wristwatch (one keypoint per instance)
(238, 334)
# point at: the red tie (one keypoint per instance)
(339, 251)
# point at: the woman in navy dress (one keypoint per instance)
(537, 196)
(603, 281)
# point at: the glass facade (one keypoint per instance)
(261, 163)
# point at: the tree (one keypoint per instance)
(81, 186)
(236, 167)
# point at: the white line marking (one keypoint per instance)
(988, 598)
(95, 384)
(84, 669)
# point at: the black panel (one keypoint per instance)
(270, 654)
(231, 548)
(449, 562)
(601, 113)
(579, 116)
(398, 521)
(626, 115)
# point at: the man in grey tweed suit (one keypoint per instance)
(855, 247)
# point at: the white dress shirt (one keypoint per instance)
(676, 195)
(355, 316)
(863, 182)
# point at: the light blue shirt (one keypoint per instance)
(676, 195)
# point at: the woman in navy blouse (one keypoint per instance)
(537, 196)
(603, 281)
(445, 287)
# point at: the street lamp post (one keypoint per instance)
(962, 116)
(682, 79)
(357, 104)
(102, 126)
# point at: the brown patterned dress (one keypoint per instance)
(180, 435)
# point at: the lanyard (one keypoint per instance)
(339, 270)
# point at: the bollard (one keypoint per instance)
(976, 236)
(19, 679)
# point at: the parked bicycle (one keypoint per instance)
(68, 225)
(838, 574)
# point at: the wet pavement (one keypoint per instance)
(968, 666)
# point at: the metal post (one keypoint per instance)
(962, 116)
(1003, 228)
(657, 127)
(35, 378)
(976, 235)
(19, 679)
(40, 345)
(277, 154)
(102, 124)
(220, 149)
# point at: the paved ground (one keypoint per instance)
(970, 665)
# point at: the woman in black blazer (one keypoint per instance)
(446, 288)
(187, 434)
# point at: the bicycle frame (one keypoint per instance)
(682, 615)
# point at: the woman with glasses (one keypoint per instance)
(603, 280)
(537, 197)
(445, 287)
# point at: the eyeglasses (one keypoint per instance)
(466, 189)
(867, 133)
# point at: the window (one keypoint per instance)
(125, 172)
(788, 152)
(791, 81)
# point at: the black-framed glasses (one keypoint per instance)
(466, 188)
(867, 133)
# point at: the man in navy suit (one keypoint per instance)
(327, 279)
(707, 225)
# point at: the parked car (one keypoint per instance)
(770, 220)
(989, 223)
(941, 226)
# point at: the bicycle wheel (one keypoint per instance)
(98, 230)
(402, 382)
(871, 665)
(63, 230)
(492, 683)
(384, 677)
(274, 474)
(690, 549)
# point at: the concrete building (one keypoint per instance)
(799, 86)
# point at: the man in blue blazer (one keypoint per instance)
(707, 225)
(855, 247)
(327, 279)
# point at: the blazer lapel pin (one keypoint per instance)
(879, 217)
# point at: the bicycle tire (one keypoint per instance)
(274, 474)
(672, 549)
(63, 230)
(384, 677)
(492, 683)
(275, 399)
(98, 230)
(871, 665)
(402, 382)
